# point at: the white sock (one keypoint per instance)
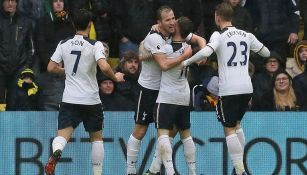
(241, 137)
(133, 148)
(58, 143)
(189, 154)
(235, 151)
(97, 157)
(156, 163)
(166, 154)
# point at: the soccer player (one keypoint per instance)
(149, 81)
(80, 102)
(232, 47)
(172, 105)
(150, 77)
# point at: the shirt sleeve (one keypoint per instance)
(154, 43)
(99, 51)
(256, 45)
(214, 41)
(57, 55)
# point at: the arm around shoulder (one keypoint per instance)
(166, 64)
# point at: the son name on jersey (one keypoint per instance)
(76, 43)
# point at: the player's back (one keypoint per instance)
(80, 57)
(232, 47)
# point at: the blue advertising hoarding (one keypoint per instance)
(276, 143)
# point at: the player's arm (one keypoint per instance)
(55, 64)
(143, 53)
(264, 52)
(198, 40)
(203, 53)
(107, 70)
(55, 68)
(258, 47)
(166, 64)
(206, 51)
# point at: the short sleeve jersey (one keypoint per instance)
(80, 56)
(150, 75)
(232, 47)
(174, 88)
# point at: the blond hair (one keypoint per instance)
(290, 102)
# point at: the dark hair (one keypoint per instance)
(281, 71)
(225, 11)
(185, 26)
(161, 9)
(82, 18)
(129, 55)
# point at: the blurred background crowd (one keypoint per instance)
(31, 29)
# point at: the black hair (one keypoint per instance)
(82, 18)
(185, 26)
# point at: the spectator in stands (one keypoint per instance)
(51, 29)
(25, 96)
(131, 67)
(282, 96)
(296, 66)
(133, 19)
(275, 23)
(33, 9)
(241, 17)
(262, 81)
(303, 11)
(91, 5)
(111, 99)
(16, 47)
(206, 99)
(102, 20)
(300, 86)
(208, 7)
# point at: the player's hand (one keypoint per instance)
(293, 38)
(119, 77)
(143, 53)
(155, 27)
(202, 62)
(187, 53)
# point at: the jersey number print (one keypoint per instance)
(231, 61)
(78, 53)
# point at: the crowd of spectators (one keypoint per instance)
(30, 31)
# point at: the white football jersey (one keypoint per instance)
(150, 75)
(232, 47)
(80, 56)
(174, 88)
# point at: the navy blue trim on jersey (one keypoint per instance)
(176, 45)
(92, 42)
(159, 33)
(66, 39)
(260, 49)
(224, 29)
